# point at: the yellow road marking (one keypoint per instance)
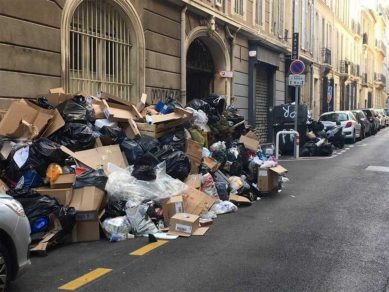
(149, 247)
(85, 279)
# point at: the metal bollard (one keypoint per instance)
(297, 142)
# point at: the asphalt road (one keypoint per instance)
(326, 231)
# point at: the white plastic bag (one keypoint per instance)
(141, 224)
(117, 229)
(208, 185)
(121, 185)
(223, 207)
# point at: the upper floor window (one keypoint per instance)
(259, 12)
(239, 7)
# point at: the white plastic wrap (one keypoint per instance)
(117, 229)
(121, 185)
(223, 207)
(140, 223)
(208, 185)
(218, 146)
(200, 118)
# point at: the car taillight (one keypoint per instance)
(348, 125)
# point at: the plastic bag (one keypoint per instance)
(140, 222)
(67, 218)
(90, 177)
(177, 165)
(36, 207)
(208, 185)
(72, 111)
(200, 118)
(75, 136)
(121, 185)
(132, 150)
(268, 164)
(115, 133)
(53, 172)
(218, 102)
(30, 179)
(218, 146)
(144, 172)
(115, 208)
(175, 139)
(199, 104)
(117, 229)
(223, 207)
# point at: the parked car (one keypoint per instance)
(351, 127)
(371, 116)
(14, 240)
(362, 119)
(386, 111)
(383, 117)
(380, 117)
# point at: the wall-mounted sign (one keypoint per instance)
(226, 74)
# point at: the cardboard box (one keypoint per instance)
(87, 202)
(268, 178)
(194, 166)
(211, 163)
(172, 206)
(27, 120)
(184, 224)
(194, 150)
(64, 181)
(63, 196)
(197, 202)
(249, 143)
(239, 200)
(101, 156)
(179, 114)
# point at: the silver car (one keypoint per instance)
(14, 240)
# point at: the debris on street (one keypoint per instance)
(86, 167)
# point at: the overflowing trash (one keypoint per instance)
(89, 167)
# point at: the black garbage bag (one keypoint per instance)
(325, 149)
(43, 103)
(309, 149)
(73, 111)
(90, 177)
(132, 150)
(148, 144)
(175, 139)
(36, 207)
(115, 208)
(67, 218)
(236, 168)
(115, 133)
(198, 104)
(217, 102)
(177, 165)
(75, 136)
(144, 168)
(42, 152)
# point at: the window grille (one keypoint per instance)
(100, 50)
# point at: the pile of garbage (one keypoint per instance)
(80, 165)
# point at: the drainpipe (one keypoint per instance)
(231, 37)
(311, 89)
(183, 55)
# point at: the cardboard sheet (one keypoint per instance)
(196, 202)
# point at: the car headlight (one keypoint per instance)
(16, 207)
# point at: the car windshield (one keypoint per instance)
(334, 117)
(386, 111)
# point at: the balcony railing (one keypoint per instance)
(379, 44)
(380, 78)
(326, 56)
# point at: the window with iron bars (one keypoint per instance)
(239, 7)
(100, 50)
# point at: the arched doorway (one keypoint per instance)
(200, 71)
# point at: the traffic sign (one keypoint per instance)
(226, 74)
(296, 80)
(295, 46)
(297, 67)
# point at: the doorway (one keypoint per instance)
(200, 71)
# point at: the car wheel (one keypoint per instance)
(5, 268)
(353, 139)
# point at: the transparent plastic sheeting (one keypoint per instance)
(122, 185)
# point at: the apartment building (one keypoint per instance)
(186, 49)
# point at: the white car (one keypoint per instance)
(382, 117)
(14, 240)
(351, 127)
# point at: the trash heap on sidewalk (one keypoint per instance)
(81, 164)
